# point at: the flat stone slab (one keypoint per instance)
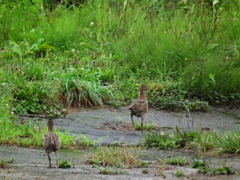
(90, 122)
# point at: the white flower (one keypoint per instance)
(91, 23)
(215, 2)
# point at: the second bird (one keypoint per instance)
(139, 107)
(51, 142)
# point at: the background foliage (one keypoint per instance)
(71, 53)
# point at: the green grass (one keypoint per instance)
(4, 164)
(227, 142)
(65, 164)
(116, 157)
(179, 173)
(162, 141)
(198, 164)
(108, 170)
(224, 170)
(146, 127)
(179, 161)
(12, 132)
(53, 56)
(177, 139)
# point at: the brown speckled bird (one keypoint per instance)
(51, 142)
(139, 106)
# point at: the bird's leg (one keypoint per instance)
(132, 121)
(56, 159)
(142, 119)
(49, 159)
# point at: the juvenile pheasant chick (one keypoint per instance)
(51, 142)
(139, 107)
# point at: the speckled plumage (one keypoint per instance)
(139, 107)
(51, 142)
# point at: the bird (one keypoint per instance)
(139, 107)
(51, 142)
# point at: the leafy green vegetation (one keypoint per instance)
(227, 142)
(145, 171)
(65, 164)
(179, 161)
(219, 171)
(179, 173)
(198, 164)
(108, 170)
(14, 133)
(4, 164)
(179, 138)
(162, 141)
(116, 157)
(146, 127)
(201, 165)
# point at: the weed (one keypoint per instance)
(146, 127)
(160, 171)
(108, 170)
(198, 164)
(116, 157)
(65, 164)
(162, 141)
(179, 161)
(179, 173)
(180, 138)
(219, 171)
(226, 142)
(145, 171)
(77, 92)
(4, 164)
(184, 138)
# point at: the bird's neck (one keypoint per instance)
(50, 126)
(142, 95)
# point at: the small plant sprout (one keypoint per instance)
(179, 161)
(146, 127)
(108, 170)
(4, 164)
(65, 164)
(145, 171)
(179, 173)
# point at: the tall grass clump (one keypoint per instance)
(79, 89)
(227, 142)
(116, 157)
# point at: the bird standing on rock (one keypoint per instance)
(139, 107)
(51, 142)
